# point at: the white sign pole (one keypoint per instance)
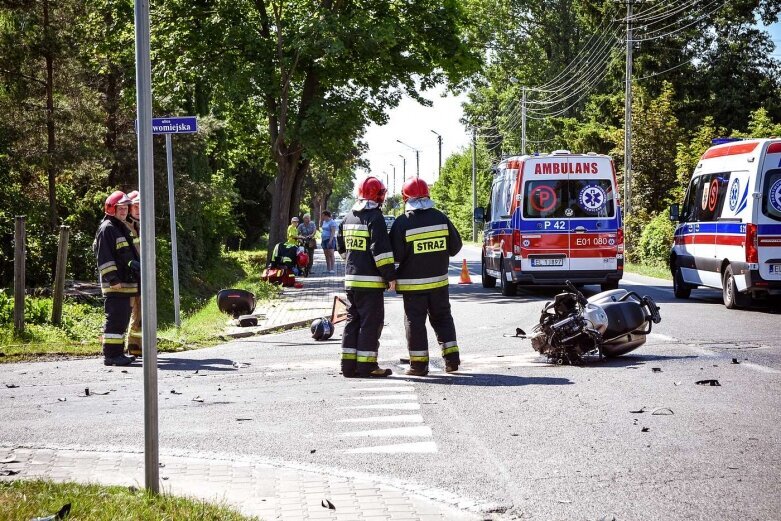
(169, 157)
(148, 279)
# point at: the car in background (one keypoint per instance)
(389, 220)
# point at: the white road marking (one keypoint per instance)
(420, 447)
(406, 388)
(760, 368)
(408, 406)
(387, 397)
(420, 431)
(398, 418)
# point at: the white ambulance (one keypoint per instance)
(553, 218)
(729, 227)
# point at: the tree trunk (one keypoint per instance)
(111, 106)
(298, 187)
(51, 171)
(280, 204)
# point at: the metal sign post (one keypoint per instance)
(146, 186)
(168, 126)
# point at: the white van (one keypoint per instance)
(729, 231)
(553, 218)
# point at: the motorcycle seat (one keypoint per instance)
(623, 318)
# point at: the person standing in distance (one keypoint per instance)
(133, 222)
(306, 231)
(369, 269)
(328, 241)
(119, 270)
(423, 241)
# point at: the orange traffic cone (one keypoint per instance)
(465, 274)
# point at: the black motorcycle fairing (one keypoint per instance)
(623, 317)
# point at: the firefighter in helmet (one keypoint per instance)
(423, 241)
(134, 224)
(369, 269)
(119, 270)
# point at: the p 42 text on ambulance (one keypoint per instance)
(553, 218)
(729, 228)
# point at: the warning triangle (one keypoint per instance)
(339, 311)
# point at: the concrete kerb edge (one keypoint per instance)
(266, 330)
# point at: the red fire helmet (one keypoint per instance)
(112, 201)
(414, 188)
(372, 189)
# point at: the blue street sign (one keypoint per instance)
(176, 125)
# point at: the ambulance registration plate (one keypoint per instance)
(775, 269)
(540, 262)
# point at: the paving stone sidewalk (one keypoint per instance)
(298, 307)
(253, 487)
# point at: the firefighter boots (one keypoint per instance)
(119, 360)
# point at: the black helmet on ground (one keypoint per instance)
(322, 329)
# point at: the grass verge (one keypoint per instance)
(30, 499)
(649, 270)
(78, 335)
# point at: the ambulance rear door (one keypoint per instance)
(769, 215)
(593, 215)
(544, 224)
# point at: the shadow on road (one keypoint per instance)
(189, 364)
(488, 380)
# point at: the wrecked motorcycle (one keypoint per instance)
(611, 323)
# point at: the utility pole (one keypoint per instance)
(439, 141)
(403, 169)
(417, 157)
(628, 113)
(523, 121)
(393, 192)
(474, 183)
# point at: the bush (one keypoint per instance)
(656, 240)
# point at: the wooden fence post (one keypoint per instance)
(20, 252)
(58, 292)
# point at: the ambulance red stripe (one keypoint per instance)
(730, 150)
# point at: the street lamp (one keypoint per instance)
(439, 141)
(393, 191)
(417, 156)
(403, 168)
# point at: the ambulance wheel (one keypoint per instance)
(733, 299)
(680, 288)
(488, 281)
(508, 288)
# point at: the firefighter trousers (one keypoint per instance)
(134, 334)
(117, 309)
(361, 338)
(436, 305)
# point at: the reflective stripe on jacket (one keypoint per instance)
(363, 237)
(423, 242)
(115, 249)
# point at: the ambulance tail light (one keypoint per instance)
(620, 239)
(752, 251)
(516, 242)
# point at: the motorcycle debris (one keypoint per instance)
(656, 369)
(662, 411)
(645, 429)
(640, 411)
(735, 361)
(712, 383)
(9, 460)
(174, 391)
(8, 472)
(198, 399)
(327, 504)
(520, 332)
(12, 386)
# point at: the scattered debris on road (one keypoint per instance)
(712, 383)
(735, 361)
(312, 451)
(9, 460)
(639, 411)
(62, 399)
(174, 391)
(327, 504)
(8, 472)
(662, 411)
(645, 429)
(198, 399)
(243, 419)
(11, 386)
(656, 369)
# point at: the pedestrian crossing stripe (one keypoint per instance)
(421, 431)
(420, 447)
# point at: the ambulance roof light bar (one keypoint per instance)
(725, 140)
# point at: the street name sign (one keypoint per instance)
(175, 125)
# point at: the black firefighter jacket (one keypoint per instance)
(363, 236)
(115, 251)
(423, 242)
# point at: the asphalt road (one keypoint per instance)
(510, 436)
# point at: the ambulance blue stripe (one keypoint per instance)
(769, 229)
(725, 228)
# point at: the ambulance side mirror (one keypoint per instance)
(675, 213)
(479, 214)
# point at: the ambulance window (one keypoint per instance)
(689, 206)
(497, 198)
(545, 199)
(591, 198)
(771, 195)
(710, 195)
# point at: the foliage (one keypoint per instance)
(29, 499)
(656, 240)
(452, 191)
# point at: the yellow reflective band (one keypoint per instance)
(383, 262)
(363, 284)
(122, 244)
(420, 287)
(356, 233)
(448, 350)
(427, 235)
(367, 359)
(418, 359)
(108, 270)
(120, 290)
(429, 245)
(113, 340)
(135, 334)
(349, 356)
